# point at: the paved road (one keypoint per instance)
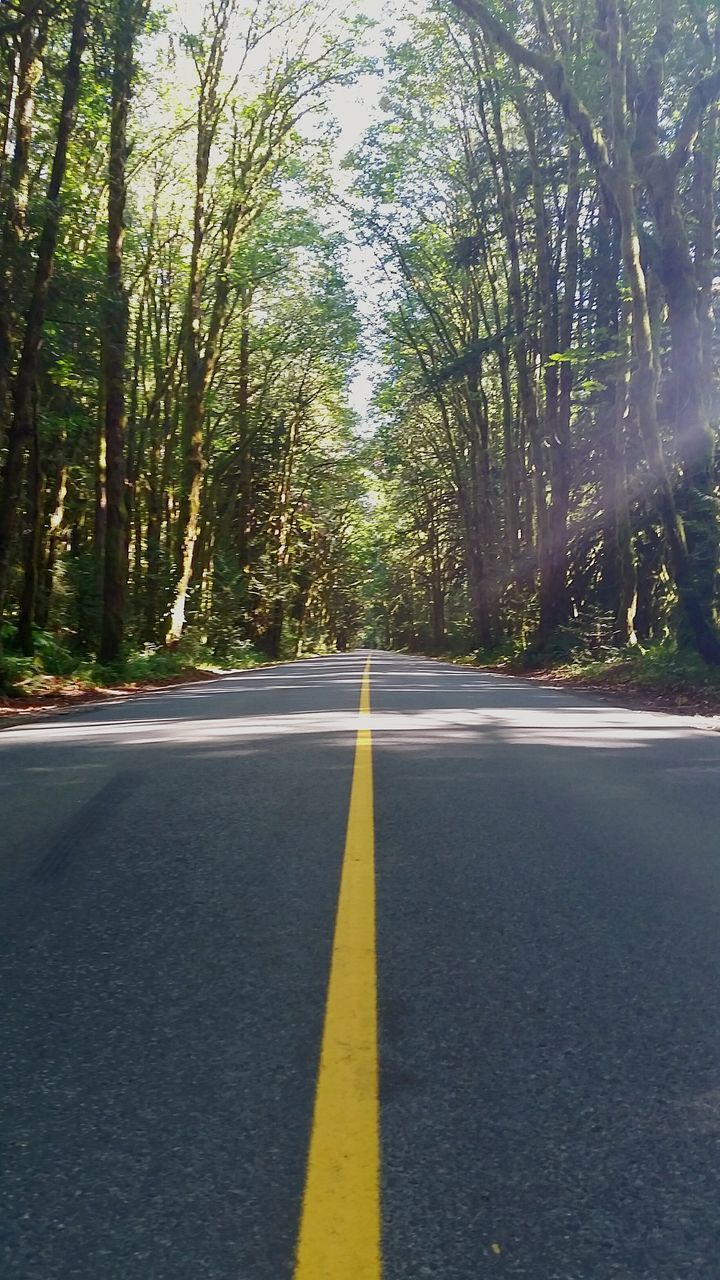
(548, 954)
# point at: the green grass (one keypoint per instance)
(663, 669)
(55, 670)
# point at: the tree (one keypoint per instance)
(23, 399)
(695, 564)
(129, 19)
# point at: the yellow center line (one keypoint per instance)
(340, 1227)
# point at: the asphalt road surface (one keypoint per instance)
(541, 923)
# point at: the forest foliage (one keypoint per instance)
(177, 332)
(543, 182)
(535, 196)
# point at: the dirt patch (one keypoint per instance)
(636, 695)
(67, 695)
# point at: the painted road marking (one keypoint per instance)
(340, 1227)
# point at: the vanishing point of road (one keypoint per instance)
(355, 968)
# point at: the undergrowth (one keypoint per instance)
(663, 667)
(55, 669)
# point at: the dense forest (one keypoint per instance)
(535, 200)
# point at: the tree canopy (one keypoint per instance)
(533, 205)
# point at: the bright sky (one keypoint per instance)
(353, 107)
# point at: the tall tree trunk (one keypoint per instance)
(613, 317)
(31, 43)
(153, 533)
(557, 597)
(694, 435)
(23, 391)
(484, 552)
(33, 541)
(245, 476)
(650, 564)
(551, 557)
(625, 588)
(115, 338)
(193, 471)
(56, 505)
(8, 69)
(525, 380)
(437, 586)
(513, 525)
(200, 356)
(705, 166)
